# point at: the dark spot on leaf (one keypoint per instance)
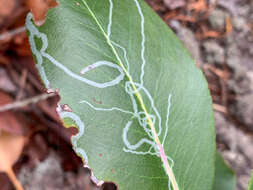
(49, 90)
(98, 102)
(66, 107)
(109, 186)
(71, 131)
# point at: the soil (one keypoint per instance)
(219, 35)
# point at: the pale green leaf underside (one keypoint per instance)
(74, 54)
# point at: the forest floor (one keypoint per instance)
(219, 35)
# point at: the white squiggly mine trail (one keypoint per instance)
(81, 128)
(135, 90)
(144, 118)
(40, 54)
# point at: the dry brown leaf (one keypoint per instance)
(6, 83)
(6, 7)
(39, 9)
(10, 149)
(174, 4)
(3, 59)
(9, 122)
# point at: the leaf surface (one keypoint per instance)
(142, 107)
(11, 147)
(224, 176)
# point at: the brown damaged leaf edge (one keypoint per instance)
(39, 9)
(105, 185)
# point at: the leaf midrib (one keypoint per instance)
(138, 95)
(139, 98)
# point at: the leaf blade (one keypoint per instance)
(172, 62)
(224, 176)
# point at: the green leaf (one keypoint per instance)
(142, 107)
(224, 176)
(251, 182)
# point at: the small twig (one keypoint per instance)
(220, 108)
(25, 102)
(32, 80)
(204, 32)
(14, 179)
(22, 84)
(200, 5)
(216, 71)
(12, 33)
